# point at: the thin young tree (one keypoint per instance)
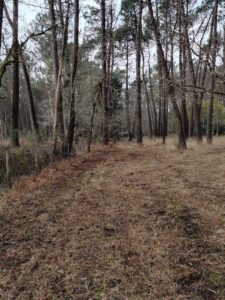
(15, 88)
(59, 137)
(71, 125)
(169, 81)
(192, 75)
(59, 123)
(104, 74)
(1, 20)
(213, 69)
(138, 74)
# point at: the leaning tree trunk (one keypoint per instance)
(104, 74)
(213, 68)
(27, 79)
(31, 98)
(170, 84)
(15, 88)
(138, 74)
(71, 126)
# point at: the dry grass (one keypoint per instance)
(125, 222)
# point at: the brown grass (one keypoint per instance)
(125, 222)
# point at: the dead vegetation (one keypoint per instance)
(124, 222)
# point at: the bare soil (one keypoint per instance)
(125, 222)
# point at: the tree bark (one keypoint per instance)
(27, 79)
(59, 123)
(138, 74)
(71, 126)
(170, 84)
(182, 71)
(31, 98)
(15, 93)
(59, 137)
(154, 119)
(150, 133)
(104, 74)
(1, 20)
(213, 68)
(130, 137)
(197, 109)
(91, 126)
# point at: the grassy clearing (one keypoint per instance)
(125, 222)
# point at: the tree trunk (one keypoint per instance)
(197, 109)
(15, 93)
(155, 119)
(182, 71)
(27, 79)
(127, 95)
(71, 126)
(170, 84)
(91, 127)
(31, 98)
(138, 74)
(224, 58)
(59, 137)
(1, 20)
(160, 76)
(213, 68)
(150, 133)
(59, 123)
(104, 74)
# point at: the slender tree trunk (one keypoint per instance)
(31, 98)
(155, 119)
(224, 58)
(213, 68)
(15, 93)
(27, 79)
(127, 95)
(160, 75)
(138, 73)
(182, 71)
(59, 123)
(205, 63)
(71, 126)
(150, 133)
(61, 13)
(110, 59)
(170, 84)
(59, 137)
(197, 109)
(104, 74)
(91, 127)
(1, 20)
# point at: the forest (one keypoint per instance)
(112, 160)
(106, 71)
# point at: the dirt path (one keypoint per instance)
(122, 223)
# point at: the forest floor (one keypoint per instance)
(124, 222)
